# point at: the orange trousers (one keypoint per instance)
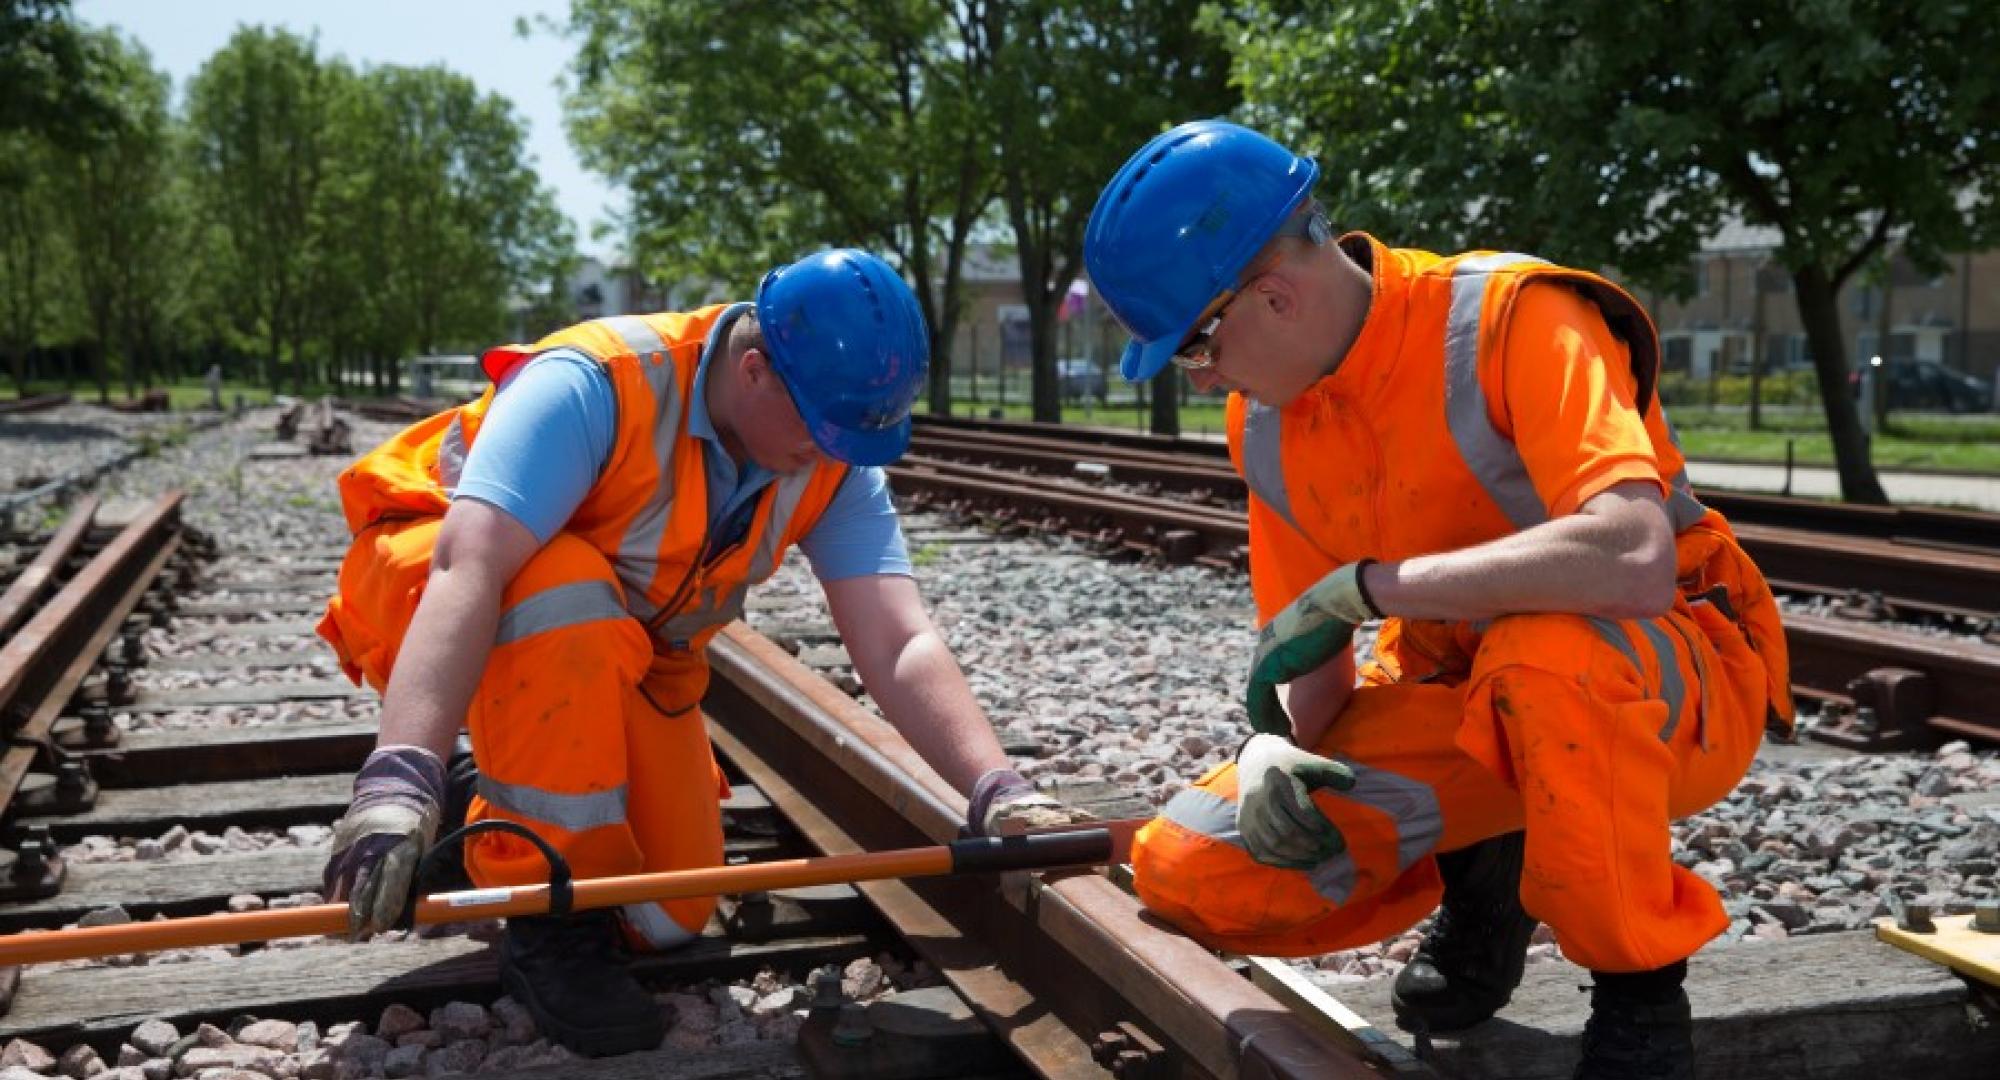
(1591, 734)
(563, 725)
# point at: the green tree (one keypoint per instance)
(258, 111)
(33, 250)
(116, 201)
(44, 70)
(1079, 86)
(1621, 133)
(747, 135)
(436, 217)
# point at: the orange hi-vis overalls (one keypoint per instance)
(1488, 393)
(585, 723)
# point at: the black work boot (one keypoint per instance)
(1640, 1027)
(1471, 959)
(572, 976)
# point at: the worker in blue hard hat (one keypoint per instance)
(1574, 651)
(545, 566)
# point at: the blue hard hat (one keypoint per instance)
(1179, 224)
(845, 334)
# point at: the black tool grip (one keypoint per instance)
(1041, 851)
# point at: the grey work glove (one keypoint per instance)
(1275, 813)
(388, 827)
(1310, 631)
(1005, 803)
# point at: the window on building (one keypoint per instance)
(1679, 353)
(1700, 277)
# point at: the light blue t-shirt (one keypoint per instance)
(549, 432)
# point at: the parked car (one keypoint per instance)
(1078, 378)
(1926, 385)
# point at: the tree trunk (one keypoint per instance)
(1166, 410)
(1757, 350)
(1883, 321)
(1045, 389)
(1819, 311)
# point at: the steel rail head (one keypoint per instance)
(1226, 1025)
(81, 599)
(41, 573)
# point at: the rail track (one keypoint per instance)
(233, 749)
(227, 787)
(1876, 684)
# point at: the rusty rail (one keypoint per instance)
(27, 589)
(1047, 959)
(42, 666)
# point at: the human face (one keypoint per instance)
(1202, 355)
(774, 435)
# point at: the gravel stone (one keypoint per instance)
(460, 1020)
(277, 1034)
(29, 1055)
(80, 1062)
(155, 1037)
(403, 1061)
(398, 1020)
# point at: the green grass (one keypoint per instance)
(1908, 441)
(185, 395)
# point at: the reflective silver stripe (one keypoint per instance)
(1683, 509)
(1493, 460)
(451, 454)
(1613, 634)
(638, 554)
(1202, 811)
(564, 605)
(1673, 688)
(707, 610)
(572, 812)
(656, 926)
(1411, 804)
(1263, 458)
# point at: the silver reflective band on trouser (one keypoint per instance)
(709, 610)
(575, 813)
(1411, 804)
(638, 553)
(1494, 460)
(1673, 688)
(656, 926)
(1263, 458)
(565, 605)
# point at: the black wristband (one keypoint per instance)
(1361, 587)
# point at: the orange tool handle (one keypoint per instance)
(1088, 847)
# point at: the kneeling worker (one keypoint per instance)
(546, 565)
(1575, 652)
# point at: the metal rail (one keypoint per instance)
(41, 667)
(1935, 526)
(1043, 958)
(27, 589)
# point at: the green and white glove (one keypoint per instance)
(1275, 813)
(1312, 630)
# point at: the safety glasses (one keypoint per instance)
(1197, 353)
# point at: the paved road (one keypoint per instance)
(1969, 492)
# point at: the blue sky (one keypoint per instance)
(474, 38)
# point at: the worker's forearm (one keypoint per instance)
(925, 696)
(1574, 564)
(443, 655)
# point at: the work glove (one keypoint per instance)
(1005, 803)
(1275, 813)
(389, 825)
(1311, 630)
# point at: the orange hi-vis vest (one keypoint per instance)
(648, 511)
(1407, 449)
